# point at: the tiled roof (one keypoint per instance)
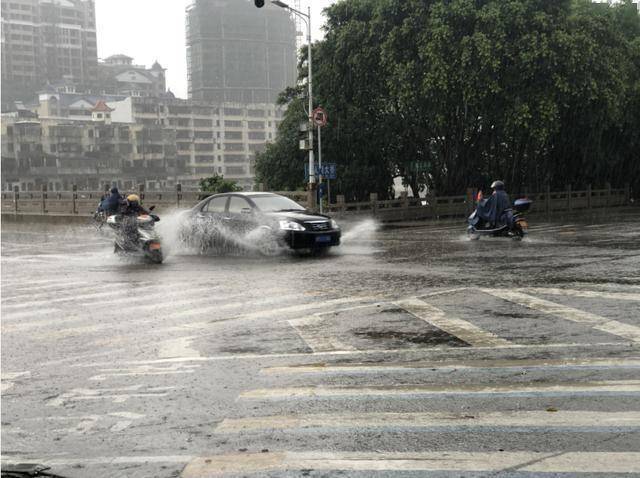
(101, 106)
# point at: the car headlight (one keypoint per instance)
(334, 224)
(291, 226)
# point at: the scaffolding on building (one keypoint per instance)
(300, 29)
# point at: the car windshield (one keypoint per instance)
(276, 203)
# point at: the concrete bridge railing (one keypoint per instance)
(84, 203)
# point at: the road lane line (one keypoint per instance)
(596, 322)
(465, 331)
(587, 294)
(522, 364)
(117, 395)
(66, 291)
(527, 419)
(452, 461)
(222, 306)
(309, 306)
(355, 353)
(616, 386)
(98, 301)
(311, 331)
(112, 460)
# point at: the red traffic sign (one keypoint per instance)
(319, 117)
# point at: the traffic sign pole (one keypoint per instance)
(319, 118)
(320, 164)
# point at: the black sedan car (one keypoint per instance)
(266, 222)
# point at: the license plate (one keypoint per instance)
(323, 239)
(154, 246)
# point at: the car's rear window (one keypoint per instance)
(275, 203)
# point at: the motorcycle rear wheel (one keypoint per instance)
(155, 257)
(518, 234)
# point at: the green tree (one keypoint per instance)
(217, 184)
(534, 92)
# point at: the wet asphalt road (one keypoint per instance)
(406, 352)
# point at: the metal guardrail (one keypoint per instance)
(431, 207)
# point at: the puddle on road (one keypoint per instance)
(433, 338)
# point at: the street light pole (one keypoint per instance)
(311, 193)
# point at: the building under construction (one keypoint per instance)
(238, 53)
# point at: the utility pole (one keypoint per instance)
(311, 193)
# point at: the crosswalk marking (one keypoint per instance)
(536, 462)
(596, 322)
(318, 339)
(524, 364)
(588, 294)
(459, 328)
(437, 419)
(622, 386)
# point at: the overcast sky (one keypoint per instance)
(150, 30)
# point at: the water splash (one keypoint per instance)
(359, 237)
(181, 235)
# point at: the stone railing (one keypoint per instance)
(84, 203)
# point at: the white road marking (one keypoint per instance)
(596, 322)
(524, 364)
(438, 419)
(355, 353)
(536, 462)
(180, 347)
(622, 386)
(311, 331)
(144, 370)
(117, 395)
(209, 309)
(15, 375)
(87, 423)
(459, 328)
(113, 460)
(68, 291)
(8, 379)
(304, 307)
(588, 294)
(23, 290)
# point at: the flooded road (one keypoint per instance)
(405, 351)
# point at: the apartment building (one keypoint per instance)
(92, 152)
(210, 139)
(238, 54)
(46, 41)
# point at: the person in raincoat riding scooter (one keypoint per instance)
(495, 211)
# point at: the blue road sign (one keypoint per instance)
(329, 171)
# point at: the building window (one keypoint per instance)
(90, 133)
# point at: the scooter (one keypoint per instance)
(513, 223)
(136, 235)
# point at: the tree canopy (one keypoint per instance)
(448, 94)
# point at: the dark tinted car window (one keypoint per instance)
(216, 204)
(237, 204)
(275, 203)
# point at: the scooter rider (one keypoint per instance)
(495, 209)
(132, 206)
(111, 204)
